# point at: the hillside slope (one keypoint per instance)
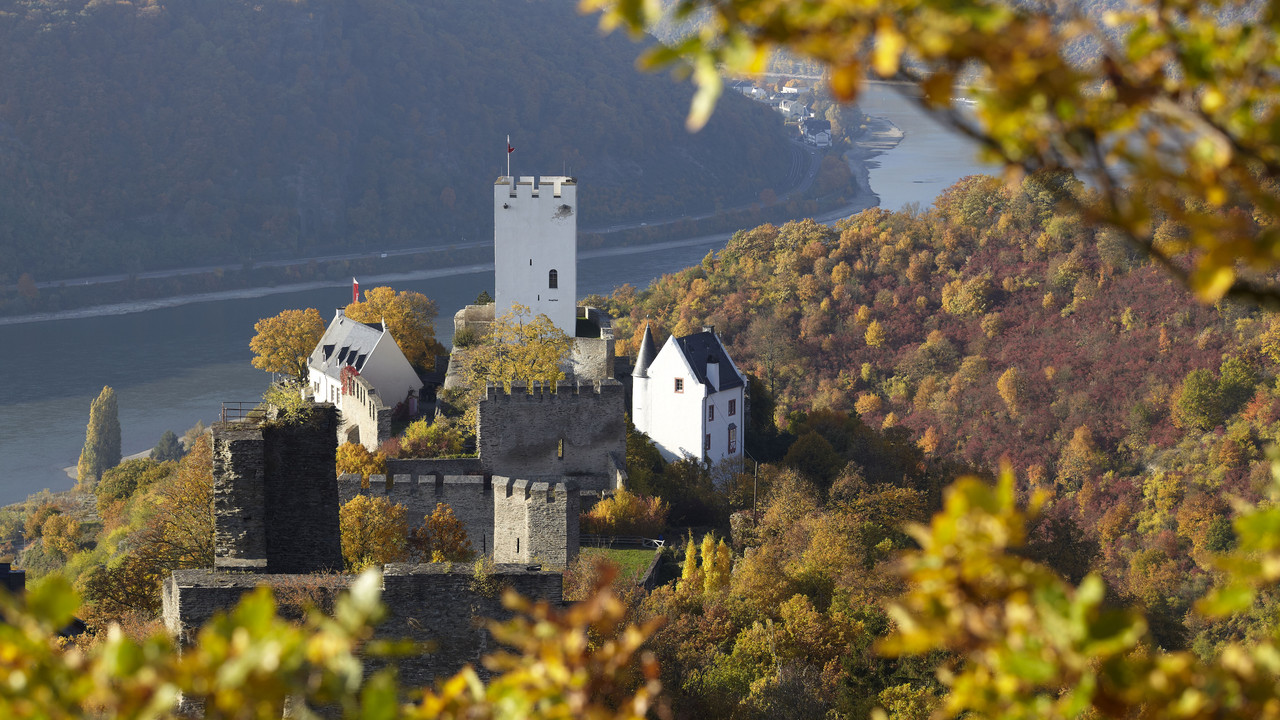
(135, 136)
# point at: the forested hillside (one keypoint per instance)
(141, 135)
(993, 326)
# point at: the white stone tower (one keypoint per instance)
(535, 246)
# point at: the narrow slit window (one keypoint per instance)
(553, 279)
(560, 450)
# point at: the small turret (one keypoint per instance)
(645, 357)
(640, 379)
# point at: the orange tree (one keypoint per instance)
(442, 537)
(1173, 99)
(410, 318)
(283, 343)
(374, 531)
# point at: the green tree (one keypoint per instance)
(1198, 403)
(168, 448)
(130, 476)
(282, 343)
(102, 439)
(1192, 76)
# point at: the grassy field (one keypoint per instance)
(632, 563)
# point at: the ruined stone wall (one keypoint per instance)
(275, 503)
(579, 432)
(434, 603)
(239, 507)
(301, 496)
(470, 497)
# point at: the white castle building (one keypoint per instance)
(535, 243)
(689, 398)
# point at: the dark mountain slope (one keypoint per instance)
(141, 135)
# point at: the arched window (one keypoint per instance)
(553, 279)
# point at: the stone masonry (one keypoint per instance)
(577, 431)
(274, 502)
(508, 520)
(276, 524)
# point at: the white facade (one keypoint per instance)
(690, 398)
(369, 350)
(535, 247)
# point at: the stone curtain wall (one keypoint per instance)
(522, 432)
(275, 503)
(470, 496)
(434, 603)
(364, 413)
(435, 466)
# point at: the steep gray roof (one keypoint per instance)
(645, 357)
(345, 342)
(703, 347)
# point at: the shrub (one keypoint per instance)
(354, 458)
(626, 514)
(423, 439)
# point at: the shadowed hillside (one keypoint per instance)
(135, 136)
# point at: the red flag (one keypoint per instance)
(509, 148)
(355, 290)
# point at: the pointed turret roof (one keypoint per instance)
(646, 355)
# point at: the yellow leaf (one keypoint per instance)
(889, 46)
(1211, 283)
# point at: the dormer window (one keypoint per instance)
(553, 280)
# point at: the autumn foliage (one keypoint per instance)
(626, 513)
(282, 343)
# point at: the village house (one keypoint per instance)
(361, 370)
(689, 398)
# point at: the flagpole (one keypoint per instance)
(508, 156)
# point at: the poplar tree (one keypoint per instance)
(102, 438)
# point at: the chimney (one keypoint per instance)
(713, 373)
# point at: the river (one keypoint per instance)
(173, 366)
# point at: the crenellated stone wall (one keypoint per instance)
(577, 431)
(470, 497)
(535, 521)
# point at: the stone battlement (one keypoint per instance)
(537, 519)
(543, 392)
(531, 187)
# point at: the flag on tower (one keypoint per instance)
(355, 290)
(509, 151)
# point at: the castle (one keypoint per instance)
(544, 454)
(276, 523)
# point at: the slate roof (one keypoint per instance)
(345, 342)
(703, 347)
(645, 357)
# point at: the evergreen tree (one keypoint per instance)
(102, 438)
(168, 448)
